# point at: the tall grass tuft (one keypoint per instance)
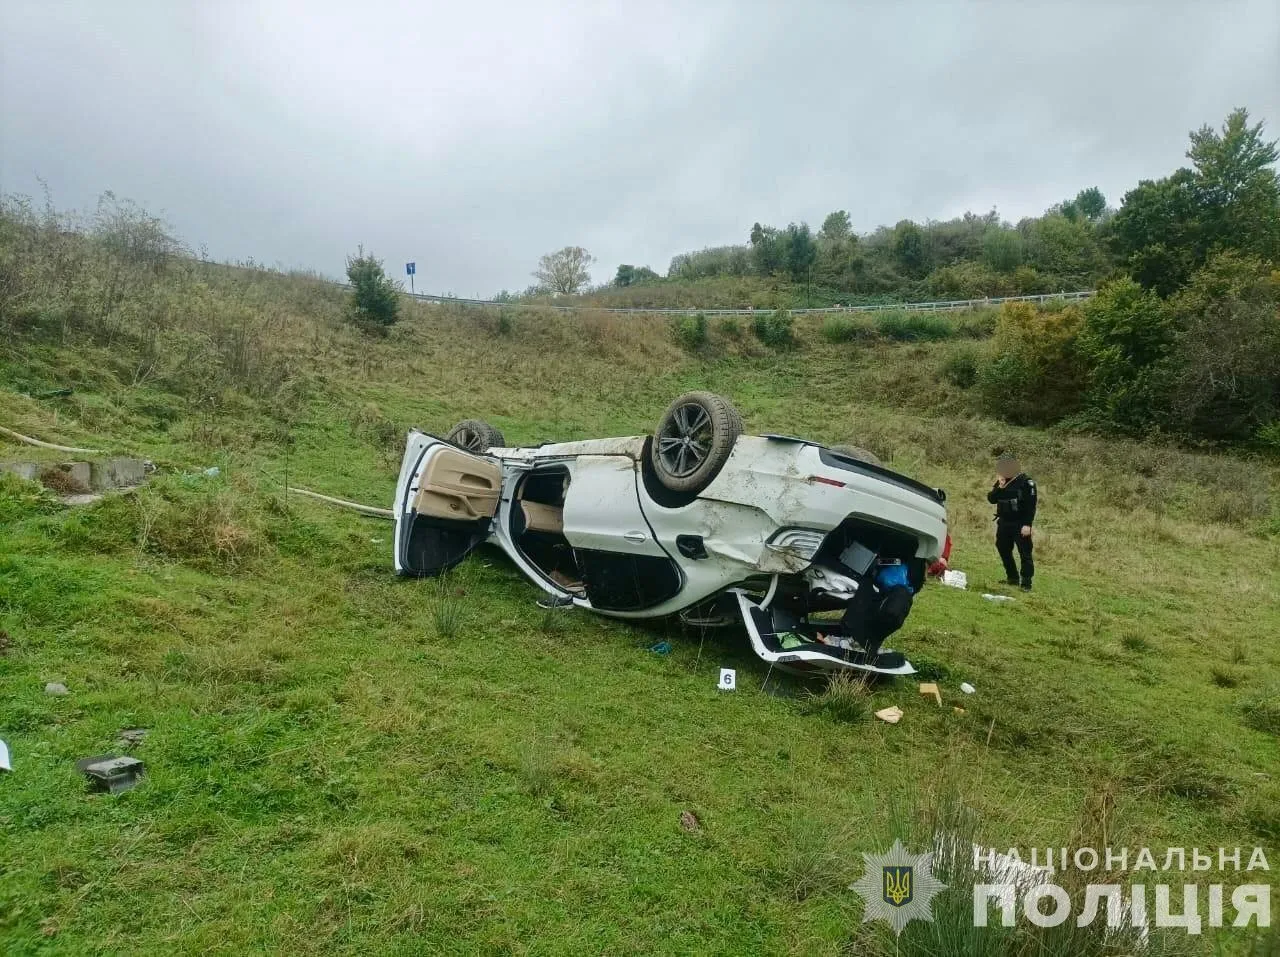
(448, 609)
(845, 697)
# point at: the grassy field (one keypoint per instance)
(340, 761)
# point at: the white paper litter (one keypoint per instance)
(990, 597)
(955, 579)
(967, 688)
(4, 757)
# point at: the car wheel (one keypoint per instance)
(475, 435)
(693, 440)
(861, 455)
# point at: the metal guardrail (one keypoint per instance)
(947, 306)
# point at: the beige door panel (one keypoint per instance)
(459, 486)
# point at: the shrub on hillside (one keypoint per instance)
(914, 326)
(842, 328)
(961, 367)
(690, 332)
(375, 298)
(1034, 376)
(730, 327)
(976, 323)
(1126, 343)
(968, 280)
(1226, 350)
(774, 329)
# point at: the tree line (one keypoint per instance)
(1160, 233)
(1183, 336)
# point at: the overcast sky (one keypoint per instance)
(473, 137)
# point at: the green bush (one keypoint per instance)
(730, 327)
(975, 323)
(961, 367)
(375, 299)
(690, 331)
(1034, 375)
(774, 329)
(914, 326)
(1126, 343)
(844, 328)
(1226, 350)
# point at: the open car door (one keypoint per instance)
(446, 500)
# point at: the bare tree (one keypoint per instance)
(566, 271)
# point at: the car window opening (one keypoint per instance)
(537, 527)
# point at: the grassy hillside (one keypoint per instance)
(342, 761)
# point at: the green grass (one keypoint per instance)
(341, 761)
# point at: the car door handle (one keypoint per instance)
(635, 537)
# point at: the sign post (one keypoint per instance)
(410, 268)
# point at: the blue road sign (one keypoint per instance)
(410, 268)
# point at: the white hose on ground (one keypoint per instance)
(343, 503)
(47, 445)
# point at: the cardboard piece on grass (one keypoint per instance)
(931, 688)
(4, 757)
(110, 772)
(728, 679)
(892, 715)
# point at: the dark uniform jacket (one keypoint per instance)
(1016, 502)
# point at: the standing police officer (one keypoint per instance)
(1014, 496)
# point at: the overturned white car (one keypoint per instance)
(818, 551)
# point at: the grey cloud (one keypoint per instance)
(472, 138)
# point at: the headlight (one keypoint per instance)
(802, 542)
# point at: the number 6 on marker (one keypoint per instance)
(728, 679)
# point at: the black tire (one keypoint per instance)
(861, 455)
(475, 435)
(694, 439)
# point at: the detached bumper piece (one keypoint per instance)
(798, 648)
(108, 772)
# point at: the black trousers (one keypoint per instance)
(1008, 537)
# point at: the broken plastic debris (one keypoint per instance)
(892, 715)
(212, 472)
(661, 648)
(4, 757)
(55, 688)
(967, 688)
(955, 579)
(989, 597)
(931, 688)
(110, 772)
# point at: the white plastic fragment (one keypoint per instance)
(967, 688)
(4, 757)
(891, 715)
(955, 579)
(990, 597)
(56, 688)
